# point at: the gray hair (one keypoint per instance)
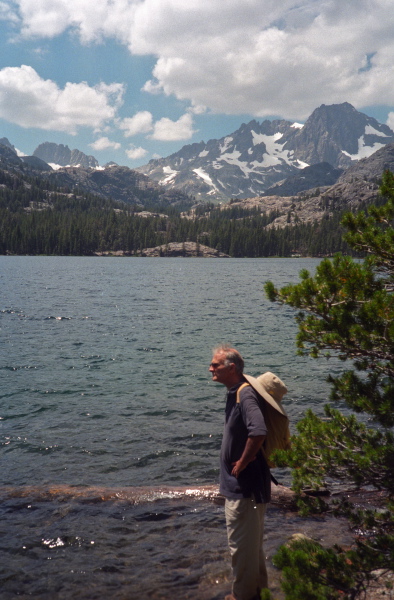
(231, 356)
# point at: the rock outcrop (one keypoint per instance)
(186, 249)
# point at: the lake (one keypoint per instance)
(105, 385)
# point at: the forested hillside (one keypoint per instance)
(39, 218)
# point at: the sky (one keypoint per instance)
(132, 80)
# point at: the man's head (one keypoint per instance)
(227, 366)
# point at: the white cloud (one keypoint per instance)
(284, 58)
(30, 101)
(164, 130)
(93, 21)
(104, 143)
(198, 109)
(141, 122)
(171, 131)
(260, 57)
(7, 13)
(390, 120)
(135, 153)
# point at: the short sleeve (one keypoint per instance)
(251, 413)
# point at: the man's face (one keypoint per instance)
(220, 372)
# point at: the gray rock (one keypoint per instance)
(36, 163)
(59, 154)
(316, 176)
(5, 142)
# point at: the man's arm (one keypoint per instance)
(252, 446)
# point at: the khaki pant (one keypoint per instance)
(245, 529)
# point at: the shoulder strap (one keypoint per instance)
(241, 387)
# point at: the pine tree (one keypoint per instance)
(347, 310)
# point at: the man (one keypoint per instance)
(245, 480)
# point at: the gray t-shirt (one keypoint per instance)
(243, 420)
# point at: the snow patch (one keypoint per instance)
(274, 154)
(269, 140)
(203, 153)
(56, 167)
(297, 125)
(369, 130)
(171, 174)
(232, 159)
(205, 177)
(300, 164)
(363, 150)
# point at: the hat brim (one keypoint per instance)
(257, 386)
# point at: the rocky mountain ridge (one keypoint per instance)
(269, 158)
(315, 176)
(59, 155)
(257, 156)
(114, 183)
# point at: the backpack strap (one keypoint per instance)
(241, 387)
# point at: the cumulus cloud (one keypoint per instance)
(104, 143)
(141, 122)
(93, 21)
(267, 58)
(260, 57)
(135, 153)
(166, 130)
(30, 101)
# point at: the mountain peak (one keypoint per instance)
(61, 155)
(258, 155)
(5, 142)
(339, 134)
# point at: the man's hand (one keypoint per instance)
(237, 468)
(252, 446)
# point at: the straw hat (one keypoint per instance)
(273, 385)
(269, 387)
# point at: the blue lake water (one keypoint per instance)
(105, 383)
